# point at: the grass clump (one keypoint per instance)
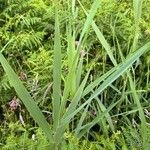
(81, 72)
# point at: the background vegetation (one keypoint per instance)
(79, 61)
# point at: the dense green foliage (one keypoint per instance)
(40, 40)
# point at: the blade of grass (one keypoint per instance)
(137, 5)
(96, 82)
(77, 96)
(79, 71)
(70, 80)
(84, 114)
(24, 95)
(137, 8)
(89, 19)
(107, 116)
(56, 73)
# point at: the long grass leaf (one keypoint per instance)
(24, 95)
(89, 19)
(96, 82)
(77, 96)
(56, 73)
(137, 7)
(79, 125)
